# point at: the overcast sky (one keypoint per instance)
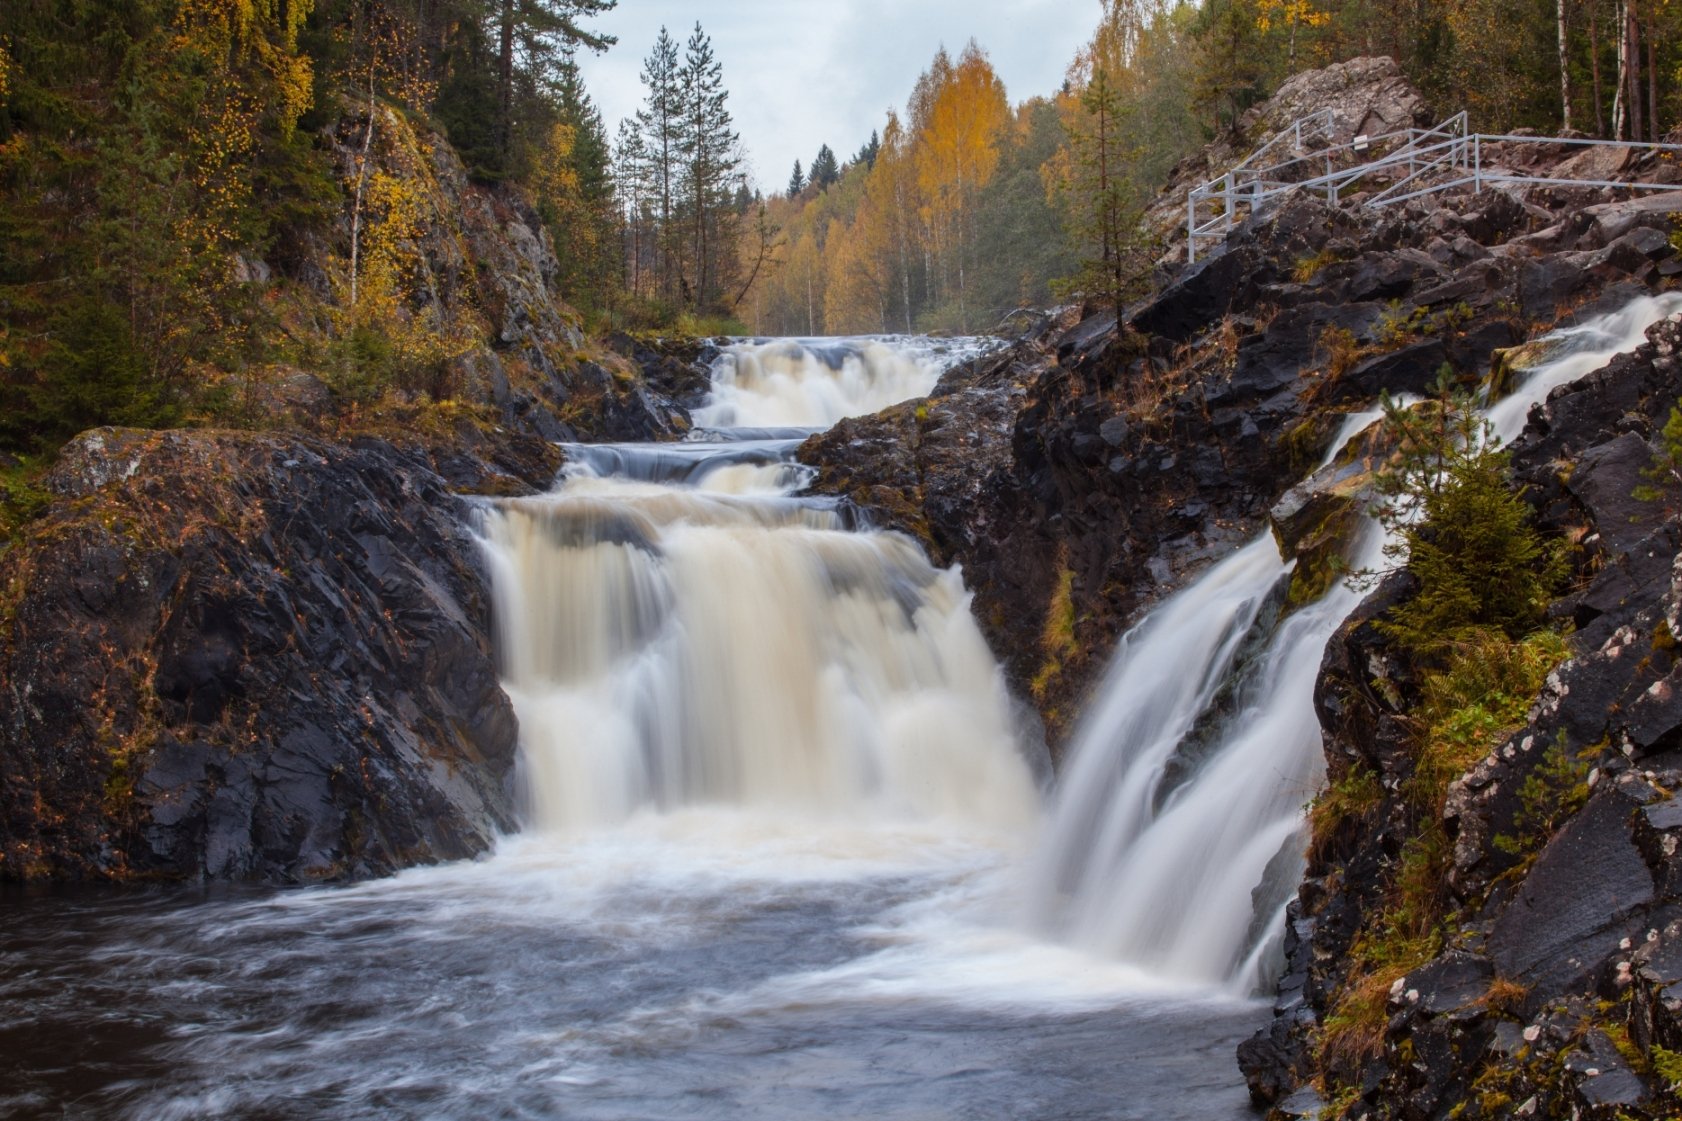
(808, 72)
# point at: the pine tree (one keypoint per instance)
(709, 146)
(634, 178)
(867, 154)
(825, 172)
(1106, 216)
(544, 30)
(796, 182)
(661, 125)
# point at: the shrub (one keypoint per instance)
(1465, 533)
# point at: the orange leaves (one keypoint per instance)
(957, 138)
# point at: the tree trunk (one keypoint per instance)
(361, 181)
(505, 80)
(1564, 67)
(1620, 106)
(1652, 84)
(1594, 61)
(1632, 36)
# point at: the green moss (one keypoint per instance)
(1057, 637)
(1474, 702)
(1316, 571)
(1668, 1066)
(1352, 796)
(1303, 442)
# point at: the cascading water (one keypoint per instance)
(776, 813)
(812, 383)
(669, 647)
(778, 820)
(1175, 839)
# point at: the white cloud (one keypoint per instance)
(807, 72)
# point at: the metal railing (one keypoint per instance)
(1415, 162)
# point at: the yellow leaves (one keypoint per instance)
(554, 174)
(957, 143)
(1289, 13)
(6, 68)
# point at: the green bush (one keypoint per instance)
(1465, 533)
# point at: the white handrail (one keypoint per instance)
(1425, 152)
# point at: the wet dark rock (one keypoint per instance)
(1591, 922)
(240, 656)
(1409, 369)
(1589, 890)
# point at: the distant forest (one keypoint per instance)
(157, 155)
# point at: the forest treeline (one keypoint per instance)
(165, 165)
(975, 206)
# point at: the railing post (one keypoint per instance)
(1477, 164)
(1191, 226)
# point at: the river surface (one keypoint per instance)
(777, 862)
(701, 965)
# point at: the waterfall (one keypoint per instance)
(1176, 835)
(812, 383)
(678, 628)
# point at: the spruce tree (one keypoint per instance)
(544, 31)
(825, 171)
(1106, 215)
(796, 182)
(867, 154)
(709, 146)
(1463, 530)
(661, 123)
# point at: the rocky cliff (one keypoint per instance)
(1550, 990)
(231, 655)
(1121, 460)
(266, 654)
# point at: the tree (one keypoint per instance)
(709, 146)
(957, 153)
(825, 171)
(660, 122)
(867, 154)
(796, 181)
(1105, 216)
(1229, 77)
(1465, 534)
(634, 178)
(545, 30)
(572, 179)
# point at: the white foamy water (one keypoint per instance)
(1177, 833)
(777, 810)
(815, 382)
(1572, 352)
(666, 647)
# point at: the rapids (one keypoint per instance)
(786, 855)
(1177, 834)
(777, 810)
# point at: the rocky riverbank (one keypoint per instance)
(1551, 988)
(1091, 469)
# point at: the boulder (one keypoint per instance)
(235, 656)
